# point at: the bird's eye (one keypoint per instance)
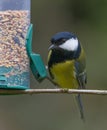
(64, 40)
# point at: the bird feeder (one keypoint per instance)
(16, 56)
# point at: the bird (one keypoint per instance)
(67, 64)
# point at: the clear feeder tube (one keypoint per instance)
(14, 61)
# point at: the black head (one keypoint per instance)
(65, 46)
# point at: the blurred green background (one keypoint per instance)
(88, 20)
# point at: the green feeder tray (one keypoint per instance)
(36, 64)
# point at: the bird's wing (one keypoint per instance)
(81, 74)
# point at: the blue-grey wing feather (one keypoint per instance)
(81, 74)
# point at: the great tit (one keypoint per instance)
(67, 63)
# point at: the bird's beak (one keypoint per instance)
(52, 47)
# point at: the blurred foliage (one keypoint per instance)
(58, 112)
(92, 12)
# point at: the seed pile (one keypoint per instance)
(13, 29)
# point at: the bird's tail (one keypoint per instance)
(80, 105)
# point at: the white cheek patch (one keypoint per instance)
(70, 45)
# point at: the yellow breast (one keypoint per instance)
(64, 74)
